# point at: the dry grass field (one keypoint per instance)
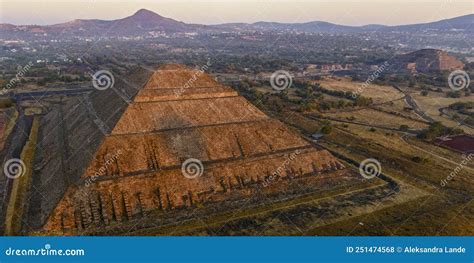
(374, 117)
(434, 101)
(7, 122)
(400, 107)
(445, 210)
(378, 93)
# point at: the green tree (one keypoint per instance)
(326, 129)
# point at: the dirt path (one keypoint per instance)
(435, 155)
(443, 112)
(363, 124)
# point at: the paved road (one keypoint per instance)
(412, 103)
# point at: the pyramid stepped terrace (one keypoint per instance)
(114, 156)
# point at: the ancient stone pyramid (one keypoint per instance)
(116, 154)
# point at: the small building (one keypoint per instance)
(317, 136)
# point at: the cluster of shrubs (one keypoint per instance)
(436, 129)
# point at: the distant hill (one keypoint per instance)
(462, 23)
(313, 27)
(146, 21)
(425, 60)
(142, 22)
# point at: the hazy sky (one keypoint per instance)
(348, 12)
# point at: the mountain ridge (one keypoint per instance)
(141, 22)
(145, 21)
(464, 22)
